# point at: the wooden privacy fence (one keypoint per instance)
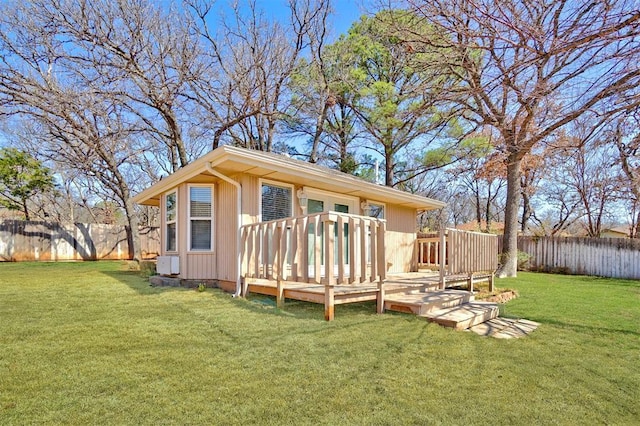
(330, 248)
(605, 257)
(30, 240)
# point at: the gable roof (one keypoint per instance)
(231, 160)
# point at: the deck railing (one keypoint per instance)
(455, 252)
(428, 252)
(469, 252)
(324, 248)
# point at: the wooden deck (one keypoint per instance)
(329, 295)
(306, 258)
(418, 293)
(314, 293)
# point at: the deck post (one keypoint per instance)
(380, 298)
(329, 261)
(279, 294)
(245, 287)
(352, 251)
(329, 302)
(276, 271)
(491, 280)
(471, 282)
(381, 273)
(363, 250)
(443, 255)
(329, 243)
(317, 250)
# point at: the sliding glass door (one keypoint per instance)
(319, 202)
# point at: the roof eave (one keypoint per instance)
(295, 169)
(343, 180)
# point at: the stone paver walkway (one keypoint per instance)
(505, 328)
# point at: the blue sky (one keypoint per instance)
(345, 13)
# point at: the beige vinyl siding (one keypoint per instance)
(200, 266)
(400, 248)
(401, 219)
(250, 198)
(401, 237)
(226, 231)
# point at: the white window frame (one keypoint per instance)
(333, 198)
(378, 203)
(279, 184)
(190, 219)
(168, 222)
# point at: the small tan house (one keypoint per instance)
(210, 208)
(616, 232)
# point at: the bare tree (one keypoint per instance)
(532, 169)
(242, 89)
(311, 86)
(530, 67)
(562, 208)
(588, 171)
(483, 180)
(136, 49)
(625, 135)
(83, 125)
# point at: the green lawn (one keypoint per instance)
(86, 343)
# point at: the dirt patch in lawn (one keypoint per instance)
(497, 296)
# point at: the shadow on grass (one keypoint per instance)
(569, 279)
(574, 327)
(346, 315)
(138, 283)
(587, 329)
(613, 282)
(301, 309)
(258, 303)
(262, 304)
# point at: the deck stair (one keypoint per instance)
(427, 302)
(450, 308)
(464, 316)
(410, 286)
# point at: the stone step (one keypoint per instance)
(505, 328)
(424, 303)
(464, 316)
